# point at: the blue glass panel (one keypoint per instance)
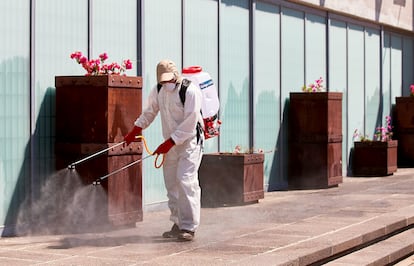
(161, 39)
(338, 76)
(14, 107)
(408, 65)
(292, 47)
(396, 68)
(266, 89)
(386, 72)
(234, 74)
(315, 48)
(115, 27)
(373, 110)
(201, 43)
(292, 77)
(60, 29)
(356, 84)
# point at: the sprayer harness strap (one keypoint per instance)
(183, 90)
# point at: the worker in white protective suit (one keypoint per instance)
(182, 146)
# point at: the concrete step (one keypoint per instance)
(409, 261)
(385, 252)
(391, 229)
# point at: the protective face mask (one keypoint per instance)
(169, 86)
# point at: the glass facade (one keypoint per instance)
(257, 52)
(14, 106)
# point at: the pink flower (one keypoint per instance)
(128, 64)
(76, 55)
(314, 87)
(115, 68)
(103, 56)
(383, 133)
(83, 60)
(95, 67)
(319, 82)
(412, 90)
(105, 68)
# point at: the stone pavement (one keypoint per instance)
(297, 227)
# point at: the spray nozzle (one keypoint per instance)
(97, 182)
(71, 166)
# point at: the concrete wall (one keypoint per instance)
(395, 13)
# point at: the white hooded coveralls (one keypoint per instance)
(181, 163)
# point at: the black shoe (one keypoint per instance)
(173, 233)
(186, 235)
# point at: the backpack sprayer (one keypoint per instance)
(98, 180)
(210, 103)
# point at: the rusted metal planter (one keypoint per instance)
(315, 140)
(94, 113)
(375, 158)
(404, 130)
(231, 178)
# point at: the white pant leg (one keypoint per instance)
(189, 190)
(181, 178)
(171, 183)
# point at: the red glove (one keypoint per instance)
(130, 137)
(165, 146)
